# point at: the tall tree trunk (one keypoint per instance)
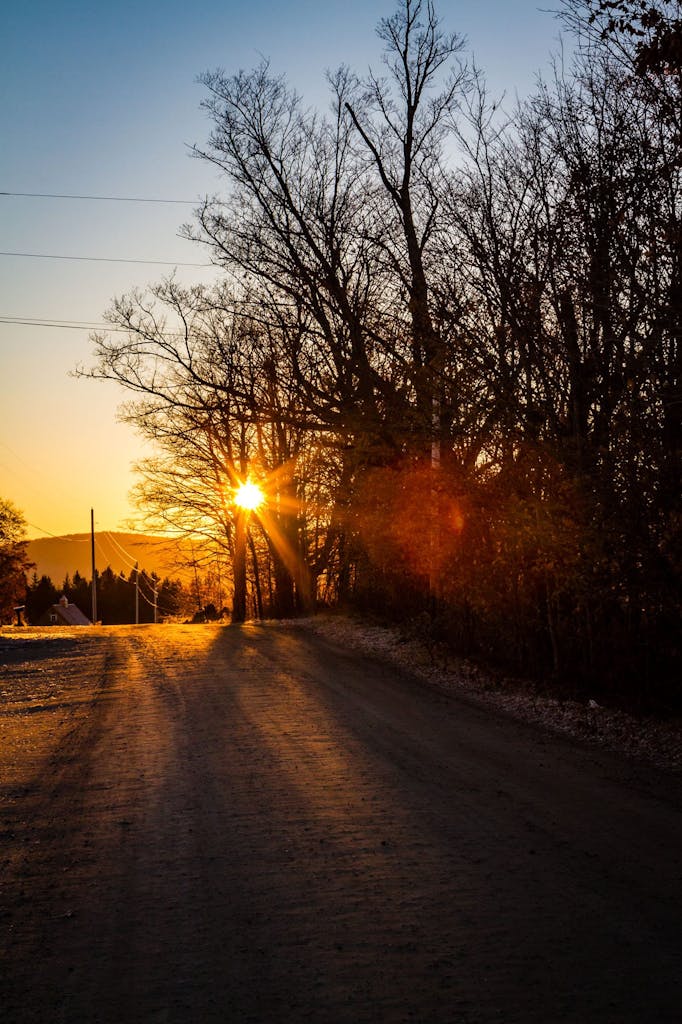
(256, 578)
(239, 568)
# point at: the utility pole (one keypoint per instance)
(434, 511)
(196, 578)
(92, 553)
(156, 600)
(220, 585)
(137, 595)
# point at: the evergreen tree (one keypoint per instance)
(41, 594)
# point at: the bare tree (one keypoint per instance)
(292, 227)
(403, 125)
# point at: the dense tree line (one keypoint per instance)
(115, 596)
(446, 341)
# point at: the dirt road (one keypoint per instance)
(205, 824)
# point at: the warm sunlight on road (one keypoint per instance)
(211, 824)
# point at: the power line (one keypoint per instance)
(132, 562)
(84, 325)
(102, 259)
(67, 325)
(139, 533)
(143, 595)
(51, 321)
(100, 549)
(101, 199)
(107, 556)
(141, 579)
(79, 325)
(74, 540)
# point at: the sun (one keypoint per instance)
(249, 496)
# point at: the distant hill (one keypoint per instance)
(57, 556)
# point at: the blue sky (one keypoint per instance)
(104, 101)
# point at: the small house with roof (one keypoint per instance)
(64, 614)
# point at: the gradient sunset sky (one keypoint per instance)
(103, 101)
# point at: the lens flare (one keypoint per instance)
(249, 496)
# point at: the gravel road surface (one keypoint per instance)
(221, 824)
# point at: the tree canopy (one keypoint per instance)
(14, 560)
(445, 342)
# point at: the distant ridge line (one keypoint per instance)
(58, 557)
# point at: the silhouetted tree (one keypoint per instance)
(403, 124)
(647, 33)
(41, 594)
(466, 372)
(14, 560)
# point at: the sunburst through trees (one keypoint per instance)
(428, 289)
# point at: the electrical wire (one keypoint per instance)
(107, 556)
(101, 549)
(124, 551)
(139, 583)
(101, 199)
(82, 325)
(140, 579)
(64, 325)
(50, 321)
(55, 535)
(74, 326)
(104, 259)
(132, 562)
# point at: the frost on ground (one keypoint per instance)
(644, 739)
